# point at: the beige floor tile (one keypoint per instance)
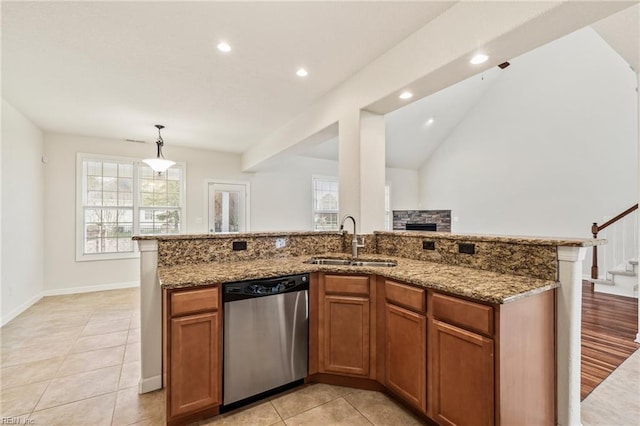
(132, 353)
(96, 411)
(91, 343)
(130, 375)
(31, 338)
(19, 400)
(102, 327)
(91, 360)
(135, 319)
(111, 315)
(32, 372)
(337, 412)
(261, 414)
(80, 386)
(305, 398)
(32, 354)
(379, 409)
(132, 407)
(134, 336)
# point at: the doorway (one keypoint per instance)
(228, 206)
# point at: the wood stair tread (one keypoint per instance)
(622, 272)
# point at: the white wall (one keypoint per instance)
(405, 192)
(62, 272)
(551, 148)
(281, 197)
(22, 212)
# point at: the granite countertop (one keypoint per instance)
(476, 284)
(525, 240)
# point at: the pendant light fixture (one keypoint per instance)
(159, 164)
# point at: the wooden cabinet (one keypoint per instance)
(461, 361)
(193, 355)
(405, 343)
(345, 324)
(406, 355)
(462, 376)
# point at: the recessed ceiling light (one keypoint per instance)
(223, 46)
(406, 95)
(302, 72)
(479, 59)
(430, 121)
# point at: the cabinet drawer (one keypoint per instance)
(405, 295)
(347, 284)
(470, 315)
(190, 301)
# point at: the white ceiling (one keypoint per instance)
(410, 141)
(114, 69)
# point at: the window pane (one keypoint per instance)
(326, 221)
(158, 191)
(110, 169)
(125, 170)
(325, 203)
(94, 168)
(94, 183)
(108, 184)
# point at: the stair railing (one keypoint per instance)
(595, 229)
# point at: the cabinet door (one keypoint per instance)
(195, 363)
(406, 355)
(346, 335)
(462, 376)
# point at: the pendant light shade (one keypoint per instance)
(159, 164)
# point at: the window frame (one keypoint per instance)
(313, 202)
(135, 206)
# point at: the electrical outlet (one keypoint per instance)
(428, 245)
(281, 242)
(466, 248)
(239, 245)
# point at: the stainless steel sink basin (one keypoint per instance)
(347, 262)
(322, 261)
(383, 263)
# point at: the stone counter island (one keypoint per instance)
(496, 316)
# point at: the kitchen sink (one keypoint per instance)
(383, 263)
(323, 261)
(347, 262)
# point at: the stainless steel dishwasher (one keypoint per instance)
(266, 337)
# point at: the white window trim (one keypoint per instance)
(313, 204)
(80, 157)
(205, 217)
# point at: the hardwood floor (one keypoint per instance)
(609, 327)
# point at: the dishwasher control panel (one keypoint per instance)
(264, 287)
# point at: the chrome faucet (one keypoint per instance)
(354, 242)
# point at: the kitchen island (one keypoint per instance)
(454, 281)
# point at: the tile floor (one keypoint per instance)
(74, 360)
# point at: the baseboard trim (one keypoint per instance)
(20, 309)
(91, 288)
(638, 338)
(150, 384)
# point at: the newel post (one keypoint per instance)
(569, 317)
(594, 259)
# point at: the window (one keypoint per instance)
(325, 203)
(120, 197)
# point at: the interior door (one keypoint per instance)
(227, 207)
